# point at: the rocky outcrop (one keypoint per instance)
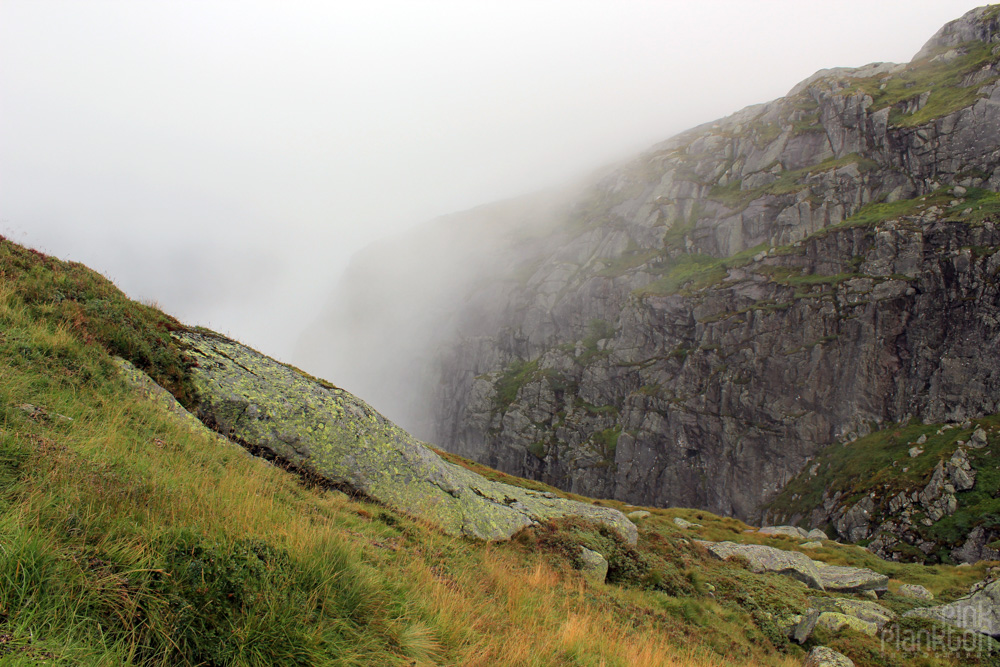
(768, 559)
(329, 435)
(895, 518)
(977, 612)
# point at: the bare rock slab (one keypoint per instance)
(280, 412)
(768, 559)
(842, 579)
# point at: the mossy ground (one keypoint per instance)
(126, 538)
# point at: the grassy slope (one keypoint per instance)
(126, 538)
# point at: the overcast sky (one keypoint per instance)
(225, 159)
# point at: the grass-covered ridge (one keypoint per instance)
(942, 80)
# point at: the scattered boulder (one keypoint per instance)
(914, 452)
(834, 621)
(811, 545)
(822, 656)
(325, 432)
(805, 626)
(915, 591)
(844, 579)
(637, 514)
(978, 440)
(817, 534)
(683, 523)
(768, 559)
(789, 531)
(593, 565)
(865, 610)
(977, 612)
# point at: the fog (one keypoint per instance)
(226, 159)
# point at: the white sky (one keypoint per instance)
(226, 158)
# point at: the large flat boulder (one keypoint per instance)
(787, 531)
(842, 579)
(977, 612)
(280, 412)
(768, 559)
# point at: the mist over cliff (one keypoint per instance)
(694, 326)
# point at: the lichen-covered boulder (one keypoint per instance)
(817, 534)
(865, 610)
(157, 394)
(842, 579)
(978, 612)
(915, 591)
(593, 565)
(834, 621)
(768, 559)
(280, 412)
(821, 656)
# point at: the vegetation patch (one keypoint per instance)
(941, 80)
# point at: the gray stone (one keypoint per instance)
(788, 531)
(763, 559)
(684, 523)
(915, 452)
(821, 656)
(803, 629)
(593, 565)
(817, 534)
(635, 515)
(978, 439)
(843, 579)
(835, 621)
(915, 591)
(978, 612)
(865, 610)
(811, 545)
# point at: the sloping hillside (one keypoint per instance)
(132, 534)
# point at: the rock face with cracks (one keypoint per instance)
(325, 432)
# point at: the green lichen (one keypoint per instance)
(339, 439)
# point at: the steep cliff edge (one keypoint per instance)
(709, 317)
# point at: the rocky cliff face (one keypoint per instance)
(709, 317)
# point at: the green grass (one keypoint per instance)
(514, 377)
(126, 538)
(940, 79)
(694, 271)
(733, 196)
